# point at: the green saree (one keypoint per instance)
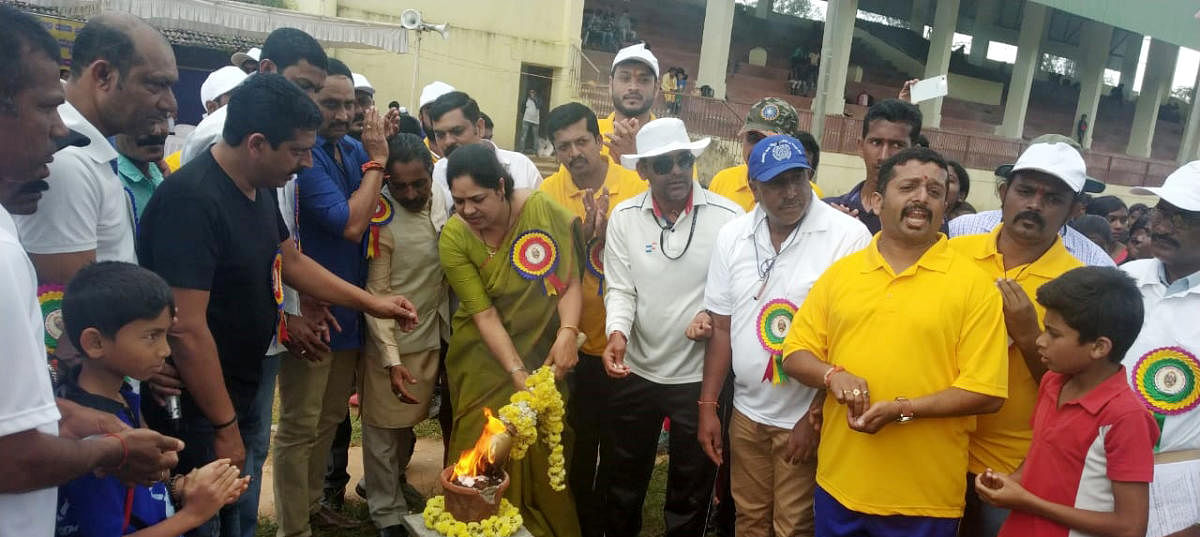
(530, 318)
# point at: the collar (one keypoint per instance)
(70, 390)
(1051, 264)
(1095, 400)
(612, 180)
(1186, 284)
(937, 258)
(127, 169)
(99, 149)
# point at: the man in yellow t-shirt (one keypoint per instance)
(1025, 251)
(589, 185)
(907, 338)
(633, 83)
(769, 116)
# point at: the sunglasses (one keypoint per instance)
(664, 164)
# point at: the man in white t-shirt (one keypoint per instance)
(121, 77)
(530, 117)
(457, 122)
(657, 249)
(36, 458)
(1163, 362)
(762, 267)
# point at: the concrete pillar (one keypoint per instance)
(1156, 82)
(981, 33)
(1029, 44)
(1093, 59)
(1131, 52)
(763, 8)
(714, 48)
(830, 96)
(945, 19)
(919, 16)
(1188, 145)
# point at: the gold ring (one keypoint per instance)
(845, 393)
(857, 392)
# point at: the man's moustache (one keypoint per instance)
(34, 187)
(1165, 239)
(143, 141)
(1032, 216)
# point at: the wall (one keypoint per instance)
(975, 90)
(489, 40)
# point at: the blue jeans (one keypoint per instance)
(256, 435)
(834, 520)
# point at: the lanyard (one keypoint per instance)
(765, 267)
(133, 208)
(662, 234)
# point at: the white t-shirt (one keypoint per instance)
(204, 135)
(652, 299)
(524, 171)
(26, 398)
(531, 114)
(1169, 327)
(761, 390)
(291, 298)
(86, 207)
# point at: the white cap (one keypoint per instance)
(362, 84)
(660, 137)
(432, 91)
(638, 53)
(239, 58)
(220, 82)
(1181, 188)
(1057, 159)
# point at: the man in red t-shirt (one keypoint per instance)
(1091, 461)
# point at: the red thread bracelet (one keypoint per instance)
(829, 373)
(124, 449)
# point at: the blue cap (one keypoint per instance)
(774, 155)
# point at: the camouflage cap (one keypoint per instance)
(772, 115)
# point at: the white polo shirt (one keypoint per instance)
(652, 299)
(524, 172)
(1170, 337)
(758, 325)
(86, 207)
(26, 398)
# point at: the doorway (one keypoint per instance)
(538, 79)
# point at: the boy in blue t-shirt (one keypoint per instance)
(117, 315)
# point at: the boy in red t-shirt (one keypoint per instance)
(1091, 460)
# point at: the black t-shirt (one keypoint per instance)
(199, 231)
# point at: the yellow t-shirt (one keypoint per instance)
(173, 161)
(731, 183)
(938, 324)
(622, 184)
(1001, 440)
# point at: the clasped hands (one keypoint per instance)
(861, 414)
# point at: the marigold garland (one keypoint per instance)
(502, 524)
(538, 411)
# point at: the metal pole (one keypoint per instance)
(413, 95)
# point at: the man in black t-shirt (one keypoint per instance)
(214, 232)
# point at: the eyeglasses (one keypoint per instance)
(664, 164)
(1178, 219)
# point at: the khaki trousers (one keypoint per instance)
(386, 453)
(313, 398)
(768, 492)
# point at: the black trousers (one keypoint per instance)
(636, 408)
(590, 389)
(336, 476)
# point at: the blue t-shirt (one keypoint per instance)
(89, 506)
(324, 197)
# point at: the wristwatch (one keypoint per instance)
(906, 410)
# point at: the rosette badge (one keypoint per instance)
(1165, 379)
(595, 262)
(535, 257)
(381, 217)
(774, 321)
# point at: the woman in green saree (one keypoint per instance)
(511, 257)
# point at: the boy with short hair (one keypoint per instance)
(1091, 461)
(117, 315)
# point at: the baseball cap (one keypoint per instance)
(239, 58)
(1057, 159)
(637, 53)
(432, 91)
(771, 115)
(220, 82)
(1091, 185)
(774, 155)
(1181, 188)
(362, 84)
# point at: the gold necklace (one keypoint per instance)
(491, 250)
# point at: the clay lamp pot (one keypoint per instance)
(473, 492)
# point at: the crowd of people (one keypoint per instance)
(604, 29)
(884, 362)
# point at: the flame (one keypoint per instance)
(478, 460)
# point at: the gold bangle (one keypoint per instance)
(518, 368)
(568, 327)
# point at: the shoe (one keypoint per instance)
(393, 531)
(412, 497)
(334, 499)
(360, 490)
(326, 518)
